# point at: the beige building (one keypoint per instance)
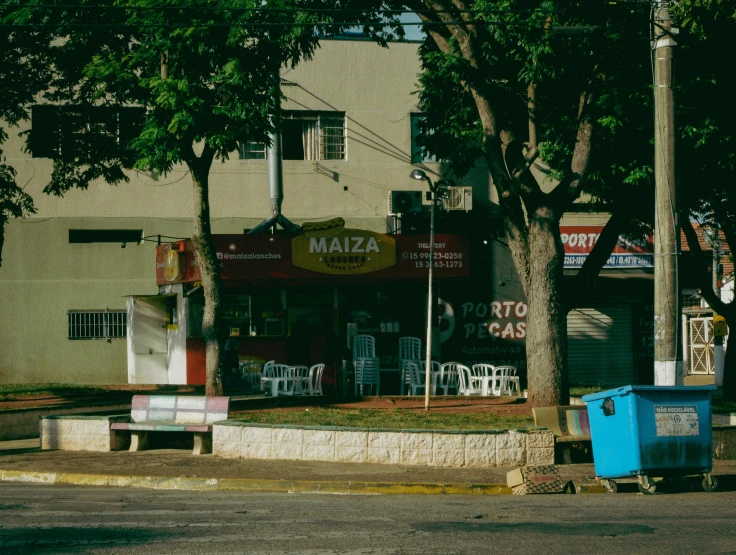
(63, 282)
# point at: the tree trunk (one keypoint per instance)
(546, 324)
(729, 373)
(209, 268)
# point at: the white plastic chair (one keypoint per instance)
(410, 349)
(313, 381)
(449, 378)
(467, 386)
(295, 378)
(507, 381)
(267, 372)
(416, 378)
(277, 380)
(434, 375)
(367, 370)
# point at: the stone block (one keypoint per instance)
(287, 450)
(351, 439)
(384, 455)
(480, 441)
(227, 449)
(540, 439)
(97, 442)
(416, 440)
(449, 457)
(319, 453)
(251, 450)
(50, 441)
(480, 458)
(48, 426)
(72, 442)
(96, 427)
(256, 435)
(226, 434)
(350, 454)
(540, 457)
(446, 442)
(511, 440)
(389, 440)
(321, 438)
(287, 436)
(417, 457)
(510, 457)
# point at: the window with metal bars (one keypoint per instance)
(97, 324)
(305, 136)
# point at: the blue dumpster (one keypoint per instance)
(645, 431)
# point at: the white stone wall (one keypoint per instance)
(81, 434)
(430, 448)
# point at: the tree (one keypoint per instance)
(708, 161)
(206, 76)
(22, 76)
(499, 84)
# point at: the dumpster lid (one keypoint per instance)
(629, 388)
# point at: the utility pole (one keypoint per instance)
(668, 367)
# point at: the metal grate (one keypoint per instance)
(332, 138)
(98, 324)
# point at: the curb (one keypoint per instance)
(246, 485)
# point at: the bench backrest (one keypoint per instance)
(565, 421)
(179, 409)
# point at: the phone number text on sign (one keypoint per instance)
(676, 420)
(437, 255)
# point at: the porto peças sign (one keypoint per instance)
(331, 249)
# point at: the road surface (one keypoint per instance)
(61, 519)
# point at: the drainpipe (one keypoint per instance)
(275, 178)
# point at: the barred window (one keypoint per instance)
(98, 324)
(305, 136)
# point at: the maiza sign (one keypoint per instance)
(340, 251)
(579, 240)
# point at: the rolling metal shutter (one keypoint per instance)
(600, 346)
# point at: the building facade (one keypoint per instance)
(348, 143)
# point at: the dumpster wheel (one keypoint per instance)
(709, 483)
(646, 486)
(609, 485)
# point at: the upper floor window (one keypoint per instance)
(74, 131)
(306, 136)
(418, 153)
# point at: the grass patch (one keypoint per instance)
(392, 418)
(724, 406)
(8, 392)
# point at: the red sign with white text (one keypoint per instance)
(255, 258)
(579, 240)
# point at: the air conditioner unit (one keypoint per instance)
(459, 198)
(404, 202)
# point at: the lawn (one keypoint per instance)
(391, 418)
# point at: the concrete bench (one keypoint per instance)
(159, 413)
(568, 423)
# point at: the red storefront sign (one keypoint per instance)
(258, 258)
(579, 240)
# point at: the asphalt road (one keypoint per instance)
(57, 519)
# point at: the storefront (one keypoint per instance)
(295, 299)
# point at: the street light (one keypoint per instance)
(436, 190)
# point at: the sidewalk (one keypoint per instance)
(22, 460)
